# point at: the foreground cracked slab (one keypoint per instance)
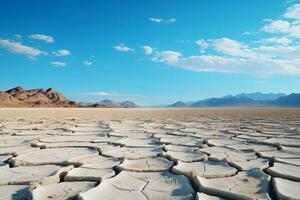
(3, 159)
(223, 142)
(228, 155)
(286, 154)
(258, 163)
(253, 184)
(28, 174)
(286, 171)
(14, 192)
(203, 196)
(94, 168)
(133, 142)
(17, 150)
(286, 189)
(146, 165)
(295, 161)
(61, 191)
(252, 147)
(187, 155)
(55, 156)
(183, 141)
(131, 153)
(206, 169)
(147, 186)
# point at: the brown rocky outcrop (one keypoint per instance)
(19, 97)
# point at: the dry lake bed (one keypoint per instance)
(149, 154)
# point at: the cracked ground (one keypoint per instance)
(149, 154)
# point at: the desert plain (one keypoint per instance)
(149, 154)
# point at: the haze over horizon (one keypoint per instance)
(151, 52)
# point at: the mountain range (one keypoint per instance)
(19, 97)
(246, 100)
(259, 96)
(107, 103)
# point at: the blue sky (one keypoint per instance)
(150, 51)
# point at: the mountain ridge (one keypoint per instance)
(20, 97)
(259, 96)
(242, 100)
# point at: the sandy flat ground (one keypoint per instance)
(149, 154)
(115, 113)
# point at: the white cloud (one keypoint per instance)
(62, 52)
(58, 64)
(156, 20)
(167, 56)
(293, 12)
(278, 54)
(276, 40)
(42, 37)
(202, 44)
(147, 50)
(289, 26)
(87, 63)
(277, 26)
(162, 20)
(247, 33)
(122, 48)
(18, 48)
(232, 48)
(237, 57)
(261, 66)
(282, 52)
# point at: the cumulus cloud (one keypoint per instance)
(233, 48)
(122, 48)
(202, 44)
(87, 63)
(277, 54)
(293, 12)
(276, 40)
(167, 56)
(147, 50)
(277, 26)
(261, 66)
(62, 52)
(290, 25)
(18, 48)
(162, 20)
(237, 57)
(42, 37)
(58, 64)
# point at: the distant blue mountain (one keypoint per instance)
(247, 100)
(292, 100)
(227, 102)
(259, 96)
(179, 104)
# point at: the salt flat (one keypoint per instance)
(61, 153)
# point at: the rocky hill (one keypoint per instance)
(19, 97)
(179, 104)
(107, 103)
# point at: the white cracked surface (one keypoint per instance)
(147, 157)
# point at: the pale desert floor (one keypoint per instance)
(149, 154)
